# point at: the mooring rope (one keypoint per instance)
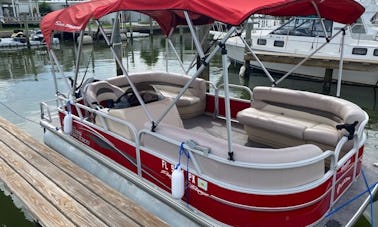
(17, 114)
(370, 197)
(369, 187)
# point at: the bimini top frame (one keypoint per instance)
(327, 40)
(169, 14)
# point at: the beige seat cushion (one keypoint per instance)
(191, 104)
(294, 115)
(278, 123)
(323, 133)
(238, 175)
(137, 117)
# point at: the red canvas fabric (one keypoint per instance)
(169, 13)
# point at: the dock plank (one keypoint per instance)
(125, 205)
(108, 214)
(82, 198)
(37, 204)
(55, 195)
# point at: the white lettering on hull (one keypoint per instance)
(195, 183)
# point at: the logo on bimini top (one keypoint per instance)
(61, 24)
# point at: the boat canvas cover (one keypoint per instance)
(169, 13)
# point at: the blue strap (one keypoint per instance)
(68, 106)
(371, 198)
(332, 212)
(182, 151)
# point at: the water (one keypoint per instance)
(25, 80)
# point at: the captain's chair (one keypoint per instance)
(101, 94)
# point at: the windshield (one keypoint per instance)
(304, 26)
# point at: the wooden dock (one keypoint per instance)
(57, 192)
(324, 62)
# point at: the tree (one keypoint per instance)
(44, 8)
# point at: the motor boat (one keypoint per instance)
(283, 157)
(38, 36)
(281, 48)
(18, 40)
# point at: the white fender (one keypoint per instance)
(67, 123)
(177, 183)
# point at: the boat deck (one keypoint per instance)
(217, 127)
(346, 208)
(57, 192)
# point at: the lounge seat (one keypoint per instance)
(103, 96)
(191, 104)
(282, 117)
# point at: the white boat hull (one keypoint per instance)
(368, 77)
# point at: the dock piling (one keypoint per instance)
(327, 81)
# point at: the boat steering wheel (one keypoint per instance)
(128, 99)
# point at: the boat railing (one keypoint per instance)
(80, 108)
(241, 87)
(361, 128)
(250, 165)
(332, 155)
(45, 110)
(221, 86)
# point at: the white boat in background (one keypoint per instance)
(18, 40)
(37, 36)
(280, 48)
(283, 159)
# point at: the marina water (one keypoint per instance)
(25, 80)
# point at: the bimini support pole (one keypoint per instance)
(227, 101)
(258, 61)
(177, 55)
(341, 62)
(308, 57)
(77, 62)
(321, 20)
(55, 59)
(196, 74)
(194, 35)
(148, 114)
(53, 70)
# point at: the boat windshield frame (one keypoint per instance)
(305, 26)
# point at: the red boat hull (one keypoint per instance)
(226, 205)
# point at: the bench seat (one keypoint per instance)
(281, 117)
(191, 104)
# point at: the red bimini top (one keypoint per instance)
(169, 13)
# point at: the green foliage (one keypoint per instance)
(44, 8)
